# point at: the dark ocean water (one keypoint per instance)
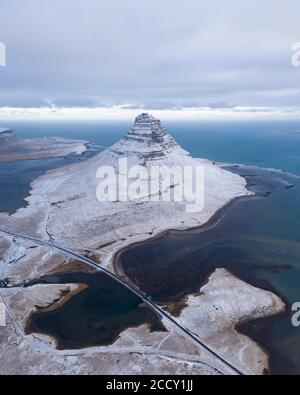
(259, 239)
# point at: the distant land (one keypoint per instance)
(14, 148)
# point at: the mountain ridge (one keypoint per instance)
(147, 139)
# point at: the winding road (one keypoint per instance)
(147, 300)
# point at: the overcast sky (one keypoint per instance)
(157, 54)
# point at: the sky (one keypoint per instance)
(225, 57)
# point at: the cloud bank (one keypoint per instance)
(151, 54)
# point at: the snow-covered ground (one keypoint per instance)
(63, 206)
(63, 202)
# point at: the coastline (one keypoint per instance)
(178, 305)
(60, 216)
(258, 330)
(209, 224)
(32, 161)
(49, 147)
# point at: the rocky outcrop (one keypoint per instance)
(148, 140)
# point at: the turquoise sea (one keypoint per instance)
(261, 239)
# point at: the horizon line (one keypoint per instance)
(129, 112)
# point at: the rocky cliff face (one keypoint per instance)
(148, 140)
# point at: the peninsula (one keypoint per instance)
(63, 211)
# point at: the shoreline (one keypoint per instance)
(248, 329)
(42, 148)
(145, 315)
(178, 305)
(209, 224)
(72, 157)
(206, 224)
(215, 217)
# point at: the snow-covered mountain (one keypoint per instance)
(67, 195)
(148, 141)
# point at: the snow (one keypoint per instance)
(16, 148)
(63, 204)
(64, 200)
(4, 130)
(222, 303)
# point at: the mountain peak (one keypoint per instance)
(145, 124)
(144, 117)
(147, 139)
